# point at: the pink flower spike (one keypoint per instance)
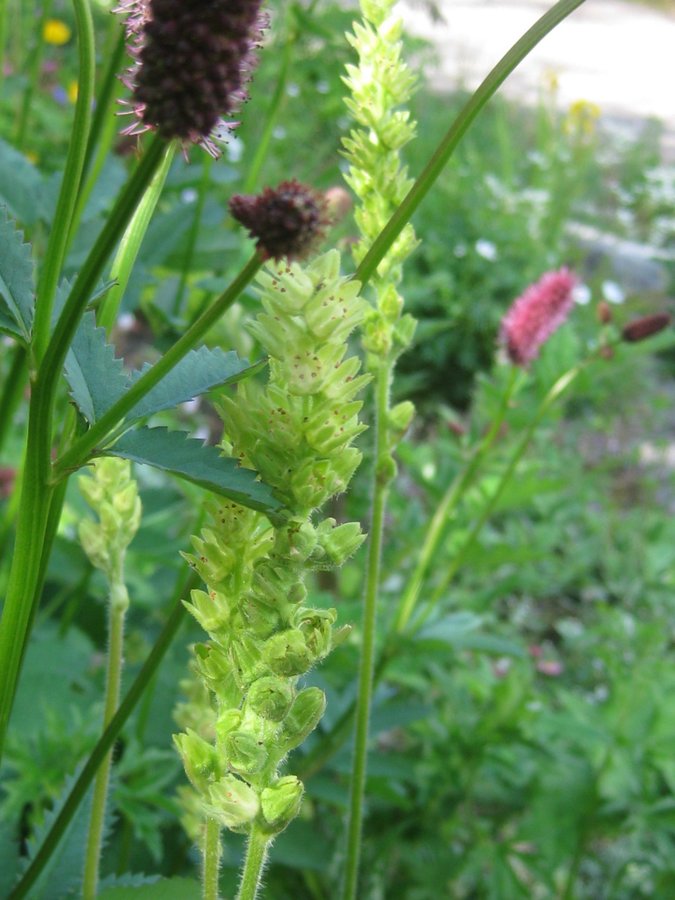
(536, 314)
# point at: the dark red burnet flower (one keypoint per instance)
(645, 327)
(285, 221)
(192, 61)
(536, 314)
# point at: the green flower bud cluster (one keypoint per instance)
(112, 493)
(379, 86)
(297, 431)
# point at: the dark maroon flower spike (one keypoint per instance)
(192, 61)
(639, 329)
(286, 221)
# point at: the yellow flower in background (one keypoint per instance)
(55, 32)
(72, 91)
(582, 118)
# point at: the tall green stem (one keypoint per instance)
(34, 505)
(193, 234)
(119, 602)
(211, 859)
(103, 129)
(375, 542)
(12, 390)
(555, 392)
(263, 146)
(70, 184)
(457, 130)
(451, 498)
(105, 425)
(256, 854)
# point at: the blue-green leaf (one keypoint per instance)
(200, 371)
(174, 452)
(96, 377)
(21, 185)
(16, 281)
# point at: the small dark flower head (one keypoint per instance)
(286, 221)
(191, 65)
(640, 329)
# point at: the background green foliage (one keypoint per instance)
(523, 741)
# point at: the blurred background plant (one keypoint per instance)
(523, 737)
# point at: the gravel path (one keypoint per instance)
(617, 54)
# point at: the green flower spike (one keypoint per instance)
(297, 431)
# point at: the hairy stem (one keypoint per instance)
(119, 602)
(256, 854)
(375, 542)
(211, 859)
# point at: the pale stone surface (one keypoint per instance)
(617, 54)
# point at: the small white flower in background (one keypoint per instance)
(293, 89)
(460, 250)
(486, 249)
(613, 292)
(279, 132)
(188, 196)
(428, 471)
(582, 294)
(322, 87)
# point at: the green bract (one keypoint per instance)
(297, 432)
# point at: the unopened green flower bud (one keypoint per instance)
(302, 719)
(247, 658)
(245, 754)
(287, 653)
(316, 625)
(281, 803)
(386, 470)
(199, 759)
(233, 802)
(342, 541)
(210, 610)
(404, 332)
(94, 543)
(270, 698)
(390, 304)
(216, 669)
(401, 415)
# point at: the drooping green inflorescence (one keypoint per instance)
(379, 87)
(264, 635)
(112, 493)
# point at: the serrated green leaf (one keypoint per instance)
(21, 185)
(16, 280)
(96, 377)
(200, 371)
(165, 889)
(9, 856)
(173, 451)
(63, 872)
